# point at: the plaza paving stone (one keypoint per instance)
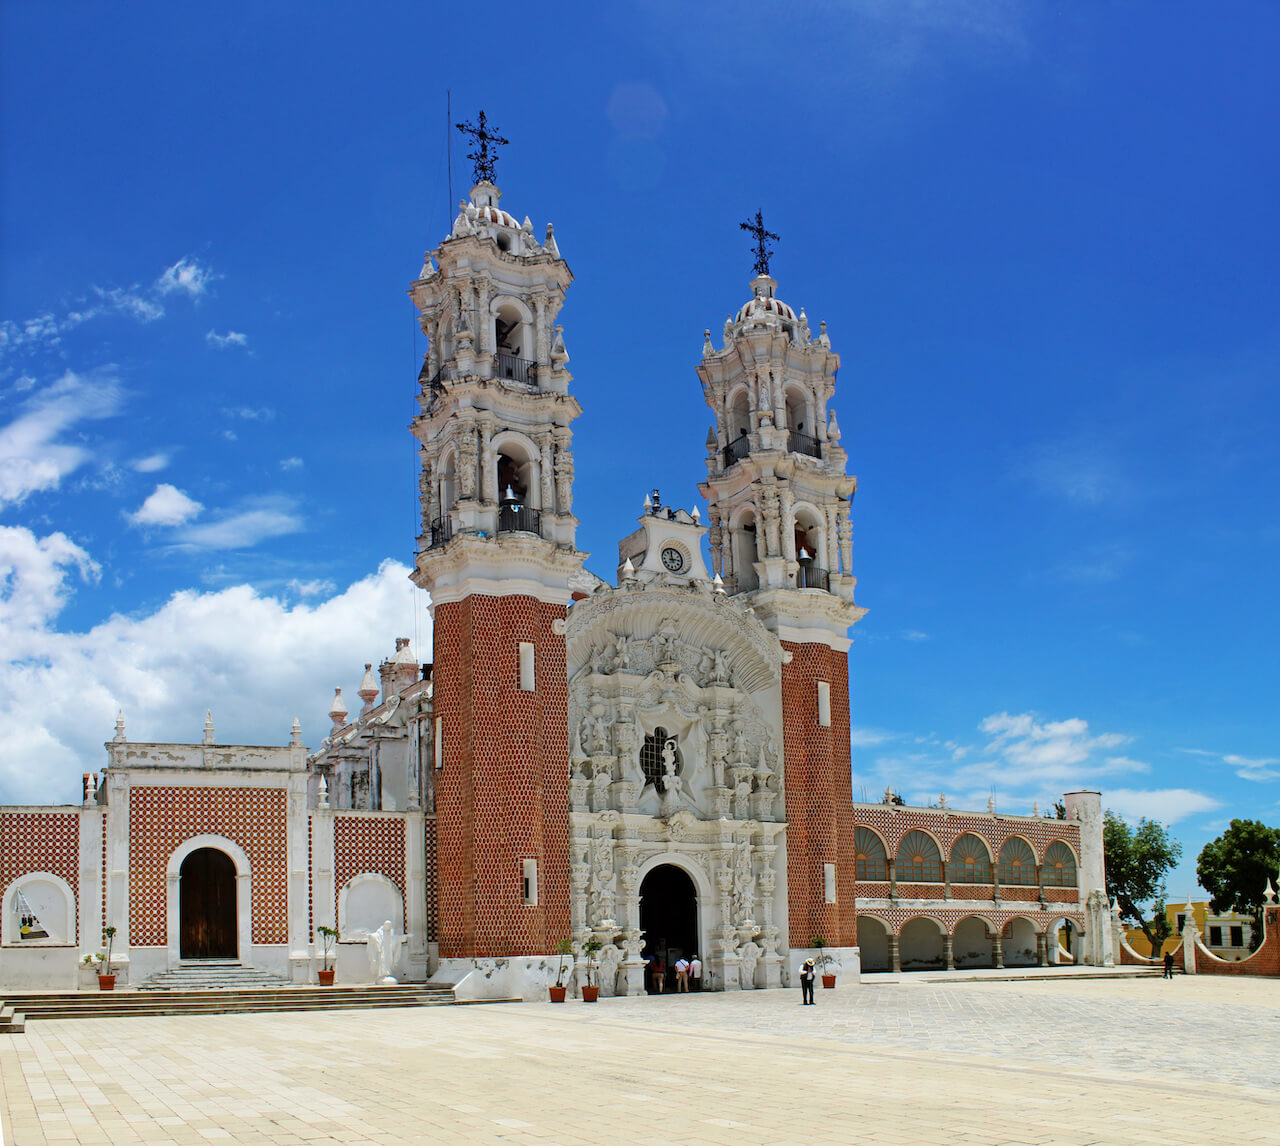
(894, 1060)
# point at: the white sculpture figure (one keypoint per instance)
(671, 783)
(720, 670)
(381, 947)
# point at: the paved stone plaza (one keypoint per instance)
(897, 1060)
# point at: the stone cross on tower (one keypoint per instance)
(763, 253)
(484, 159)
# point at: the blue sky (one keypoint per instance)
(1044, 239)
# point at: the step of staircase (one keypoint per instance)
(211, 975)
(32, 1005)
(11, 1022)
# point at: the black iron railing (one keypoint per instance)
(736, 451)
(513, 369)
(441, 531)
(519, 519)
(811, 577)
(801, 443)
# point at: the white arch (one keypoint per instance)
(244, 894)
(66, 918)
(366, 879)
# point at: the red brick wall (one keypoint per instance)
(162, 819)
(40, 841)
(369, 843)
(819, 791)
(503, 794)
(1264, 961)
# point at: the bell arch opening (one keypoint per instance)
(207, 906)
(669, 920)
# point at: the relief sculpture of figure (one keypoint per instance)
(719, 667)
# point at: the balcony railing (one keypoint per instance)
(519, 519)
(811, 577)
(513, 369)
(800, 443)
(736, 451)
(441, 531)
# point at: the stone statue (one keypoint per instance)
(381, 948)
(719, 667)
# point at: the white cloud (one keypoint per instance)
(115, 300)
(1079, 471)
(167, 505)
(32, 457)
(250, 413)
(914, 635)
(186, 275)
(1259, 769)
(151, 463)
(1168, 805)
(33, 583)
(222, 341)
(291, 463)
(257, 520)
(315, 588)
(253, 659)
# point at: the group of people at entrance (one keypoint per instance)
(688, 974)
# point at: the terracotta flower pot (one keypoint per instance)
(557, 994)
(590, 994)
(106, 982)
(828, 981)
(326, 978)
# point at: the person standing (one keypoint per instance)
(695, 972)
(1168, 964)
(682, 975)
(659, 974)
(806, 983)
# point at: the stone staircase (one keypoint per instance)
(213, 975)
(228, 996)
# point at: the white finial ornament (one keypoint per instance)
(648, 504)
(697, 517)
(323, 791)
(1270, 893)
(942, 800)
(119, 725)
(1035, 807)
(208, 727)
(718, 584)
(628, 570)
(338, 709)
(368, 691)
(991, 804)
(295, 732)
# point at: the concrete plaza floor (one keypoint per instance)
(895, 1060)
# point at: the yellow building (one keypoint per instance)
(1225, 933)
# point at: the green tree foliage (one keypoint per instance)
(1138, 860)
(1235, 867)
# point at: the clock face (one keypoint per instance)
(673, 559)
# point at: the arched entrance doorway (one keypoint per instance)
(669, 917)
(207, 903)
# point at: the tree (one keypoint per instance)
(1137, 861)
(1235, 867)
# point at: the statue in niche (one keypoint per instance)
(717, 748)
(769, 510)
(719, 666)
(619, 654)
(672, 783)
(706, 667)
(381, 950)
(666, 645)
(660, 759)
(741, 751)
(595, 734)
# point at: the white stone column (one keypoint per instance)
(89, 889)
(298, 865)
(415, 891)
(323, 892)
(116, 912)
(1190, 933)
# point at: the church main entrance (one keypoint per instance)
(669, 917)
(207, 905)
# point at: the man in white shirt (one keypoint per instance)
(682, 974)
(695, 972)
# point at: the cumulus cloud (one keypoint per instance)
(252, 658)
(257, 519)
(222, 341)
(33, 454)
(167, 505)
(186, 276)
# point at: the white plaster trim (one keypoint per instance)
(68, 920)
(244, 895)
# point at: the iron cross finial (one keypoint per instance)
(484, 158)
(763, 253)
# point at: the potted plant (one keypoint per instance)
(106, 980)
(563, 950)
(330, 935)
(824, 961)
(591, 989)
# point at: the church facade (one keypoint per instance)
(646, 767)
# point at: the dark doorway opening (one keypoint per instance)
(669, 918)
(207, 906)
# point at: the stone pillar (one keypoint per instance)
(299, 863)
(415, 903)
(895, 961)
(1190, 933)
(948, 952)
(997, 950)
(1042, 949)
(323, 891)
(488, 467)
(892, 865)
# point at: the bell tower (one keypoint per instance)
(497, 554)
(779, 507)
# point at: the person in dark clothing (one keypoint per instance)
(1168, 964)
(806, 983)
